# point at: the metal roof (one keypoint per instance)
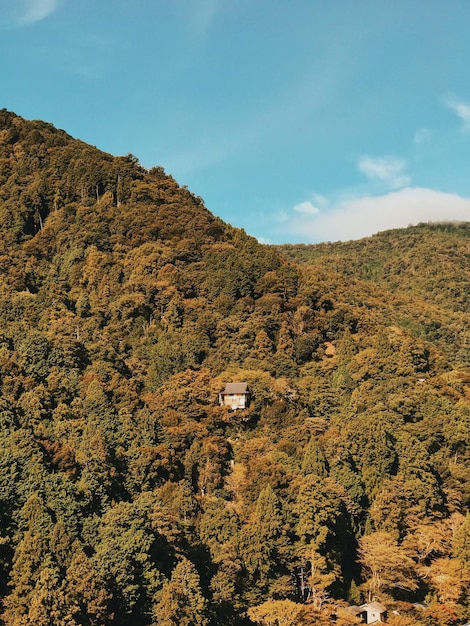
(235, 388)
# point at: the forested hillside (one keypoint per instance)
(129, 496)
(422, 274)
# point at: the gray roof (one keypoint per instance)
(232, 388)
(375, 606)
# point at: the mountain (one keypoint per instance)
(130, 496)
(421, 275)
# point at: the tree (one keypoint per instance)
(181, 602)
(261, 541)
(318, 508)
(84, 597)
(419, 476)
(275, 613)
(124, 557)
(342, 379)
(448, 579)
(284, 357)
(371, 443)
(29, 559)
(429, 541)
(386, 565)
(218, 528)
(262, 346)
(461, 544)
(43, 609)
(314, 461)
(315, 578)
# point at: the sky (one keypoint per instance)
(298, 121)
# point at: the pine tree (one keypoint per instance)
(461, 544)
(181, 600)
(84, 597)
(29, 559)
(314, 461)
(263, 543)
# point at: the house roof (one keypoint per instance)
(232, 388)
(371, 606)
(375, 606)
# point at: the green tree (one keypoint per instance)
(124, 557)
(318, 508)
(262, 542)
(29, 560)
(84, 598)
(314, 461)
(461, 544)
(181, 602)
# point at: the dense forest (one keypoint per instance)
(129, 496)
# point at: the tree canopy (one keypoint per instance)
(129, 496)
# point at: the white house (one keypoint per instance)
(370, 613)
(234, 396)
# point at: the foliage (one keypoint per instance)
(129, 496)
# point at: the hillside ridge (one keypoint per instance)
(131, 497)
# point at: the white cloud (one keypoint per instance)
(388, 170)
(25, 12)
(462, 110)
(37, 10)
(361, 217)
(306, 208)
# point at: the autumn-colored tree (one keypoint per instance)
(386, 565)
(44, 602)
(275, 613)
(29, 560)
(315, 577)
(448, 579)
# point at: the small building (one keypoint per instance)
(370, 613)
(235, 396)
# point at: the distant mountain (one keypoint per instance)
(421, 275)
(130, 496)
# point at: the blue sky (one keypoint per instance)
(299, 121)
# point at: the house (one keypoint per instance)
(370, 613)
(234, 396)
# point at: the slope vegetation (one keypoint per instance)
(130, 497)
